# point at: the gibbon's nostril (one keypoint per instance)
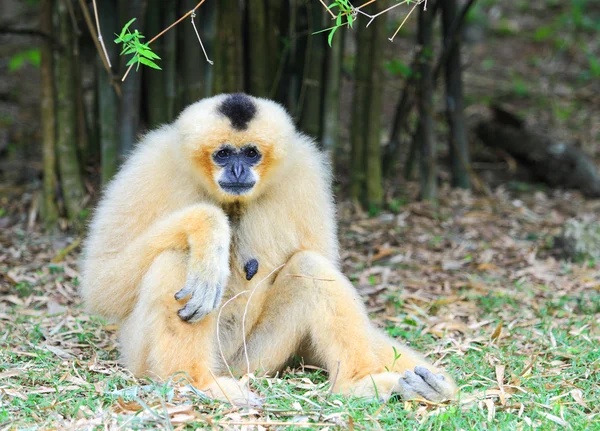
(238, 170)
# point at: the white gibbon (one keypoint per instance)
(206, 208)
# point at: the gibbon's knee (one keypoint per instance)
(312, 265)
(154, 339)
(166, 275)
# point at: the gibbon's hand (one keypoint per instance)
(422, 383)
(205, 283)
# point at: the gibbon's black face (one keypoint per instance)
(237, 177)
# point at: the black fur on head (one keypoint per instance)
(240, 110)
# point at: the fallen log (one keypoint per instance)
(556, 163)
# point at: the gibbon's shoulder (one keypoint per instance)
(307, 158)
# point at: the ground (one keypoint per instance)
(474, 284)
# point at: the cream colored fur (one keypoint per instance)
(163, 221)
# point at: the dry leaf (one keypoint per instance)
(497, 331)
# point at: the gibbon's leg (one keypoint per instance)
(312, 303)
(157, 342)
(111, 281)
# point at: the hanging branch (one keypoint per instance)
(346, 9)
(200, 40)
(100, 39)
(99, 46)
(327, 9)
(166, 30)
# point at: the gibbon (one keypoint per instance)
(228, 196)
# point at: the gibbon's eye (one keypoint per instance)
(223, 154)
(251, 153)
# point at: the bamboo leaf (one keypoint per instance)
(148, 53)
(125, 28)
(149, 63)
(330, 37)
(134, 59)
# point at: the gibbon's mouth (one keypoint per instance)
(236, 188)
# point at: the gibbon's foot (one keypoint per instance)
(420, 384)
(230, 390)
(251, 268)
(205, 283)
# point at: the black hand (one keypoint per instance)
(251, 268)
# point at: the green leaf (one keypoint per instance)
(128, 50)
(134, 59)
(148, 53)
(399, 68)
(350, 21)
(338, 20)
(124, 30)
(31, 56)
(149, 63)
(543, 33)
(330, 37)
(594, 66)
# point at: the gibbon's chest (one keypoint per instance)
(262, 234)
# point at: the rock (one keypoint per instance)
(579, 240)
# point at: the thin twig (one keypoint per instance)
(164, 31)
(311, 278)
(100, 39)
(327, 9)
(243, 326)
(365, 4)
(333, 382)
(246, 312)
(90, 26)
(219, 332)
(220, 387)
(405, 18)
(200, 40)
(65, 251)
(386, 10)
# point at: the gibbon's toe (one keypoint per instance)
(424, 384)
(230, 390)
(379, 386)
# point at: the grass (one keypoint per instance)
(520, 331)
(541, 373)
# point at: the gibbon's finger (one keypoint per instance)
(251, 268)
(415, 387)
(205, 299)
(190, 284)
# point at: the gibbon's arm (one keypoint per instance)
(111, 282)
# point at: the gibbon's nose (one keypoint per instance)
(237, 170)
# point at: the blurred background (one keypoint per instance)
(470, 94)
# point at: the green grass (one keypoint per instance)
(62, 370)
